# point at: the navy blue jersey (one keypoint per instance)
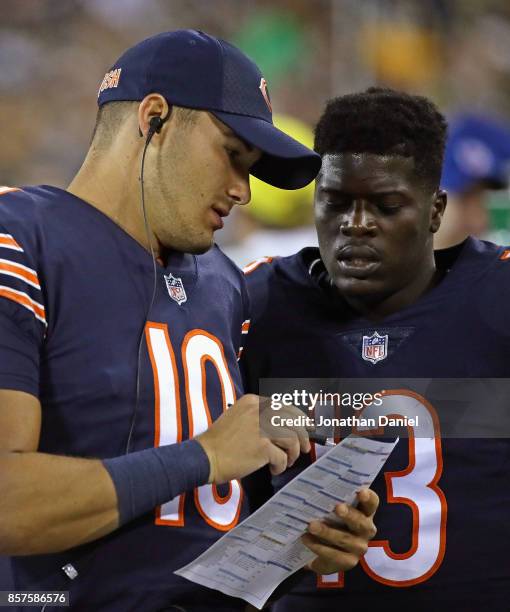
(443, 529)
(76, 292)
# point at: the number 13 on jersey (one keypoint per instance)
(416, 487)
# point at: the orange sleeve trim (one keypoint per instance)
(6, 240)
(22, 298)
(20, 271)
(251, 267)
(8, 189)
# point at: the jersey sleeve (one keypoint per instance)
(493, 297)
(22, 314)
(253, 362)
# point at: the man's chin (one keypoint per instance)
(350, 286)
(202, 245)
(199, 246)
(200, 249)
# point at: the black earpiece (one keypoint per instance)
(156, 123)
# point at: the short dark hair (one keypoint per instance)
(385, 122)
(110, 117)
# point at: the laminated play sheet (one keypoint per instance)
(251, 560)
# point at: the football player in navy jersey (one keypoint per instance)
(375, 301)
(121, 325)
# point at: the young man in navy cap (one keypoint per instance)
(121, 324)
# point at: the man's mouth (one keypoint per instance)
(218, 212)
(358, 261)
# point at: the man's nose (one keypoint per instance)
(357, 221)
(239, 190)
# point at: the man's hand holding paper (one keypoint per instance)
(340, 548)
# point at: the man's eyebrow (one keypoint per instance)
(395, 191)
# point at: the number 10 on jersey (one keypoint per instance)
(198, 348)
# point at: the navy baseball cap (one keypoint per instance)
(477, 151)
(194, 70)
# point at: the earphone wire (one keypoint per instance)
(151, 248)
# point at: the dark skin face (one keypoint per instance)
(375, 220)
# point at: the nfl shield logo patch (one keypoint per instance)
(375, 347)
(175, 288)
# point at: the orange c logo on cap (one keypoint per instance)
(265, 93)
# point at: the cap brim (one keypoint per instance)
(285, 162)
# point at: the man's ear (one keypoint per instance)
(153, 105)
(437, 210)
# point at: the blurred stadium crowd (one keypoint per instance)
(53, 55)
